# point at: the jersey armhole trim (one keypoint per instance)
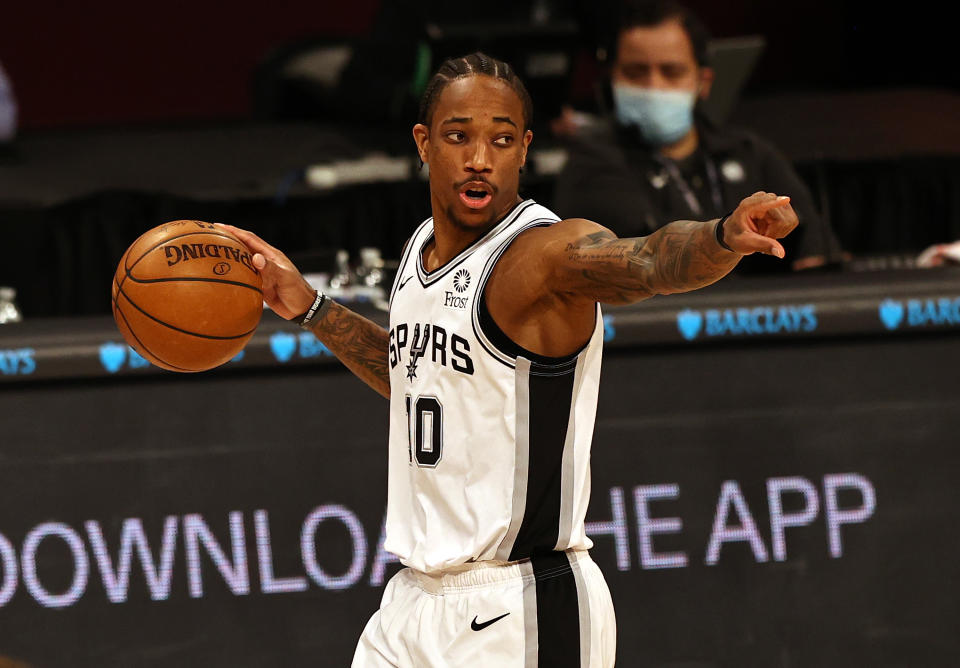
(505, 344)
(496, 342)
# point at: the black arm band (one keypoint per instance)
(316, 311)
(719, 231)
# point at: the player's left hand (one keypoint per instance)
(285, 290)
(757, 223)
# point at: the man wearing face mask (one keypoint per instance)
(657, 160)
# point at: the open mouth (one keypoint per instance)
(476, 195)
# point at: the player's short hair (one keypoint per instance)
(651, 13)
(476, 63)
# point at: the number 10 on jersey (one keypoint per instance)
(424, 430)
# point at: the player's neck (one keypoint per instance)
(683, 148)
(451, 236)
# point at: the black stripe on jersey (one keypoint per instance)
(548, 416)
(429, 277)
(558, 611)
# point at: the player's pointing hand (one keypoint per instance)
(757, 223)
(285, 290)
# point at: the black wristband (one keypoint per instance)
(320, 305)
(719, 233)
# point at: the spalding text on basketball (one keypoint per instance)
(177, 253)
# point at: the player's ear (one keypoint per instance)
(527, 138)
(421, 136)
(707, 76)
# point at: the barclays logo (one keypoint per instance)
(920, 312)
(786, 319)
(113, 356)
(285, 346)
(891, 313)
(689, 323)
(20, 361)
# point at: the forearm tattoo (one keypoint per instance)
(357, 342)
(678, 257)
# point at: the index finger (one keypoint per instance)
(254, 242)
(760, 203)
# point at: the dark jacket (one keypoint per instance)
(613, 178)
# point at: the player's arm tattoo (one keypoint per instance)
(357, 342)
(678, 257)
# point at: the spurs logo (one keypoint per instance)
(429, 343)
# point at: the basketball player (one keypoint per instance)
(492, 365)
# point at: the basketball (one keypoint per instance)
(186, 296)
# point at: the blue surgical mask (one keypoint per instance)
(663, 116)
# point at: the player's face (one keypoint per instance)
(659, 57)
(475, 146)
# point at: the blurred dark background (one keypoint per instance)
(113, 62)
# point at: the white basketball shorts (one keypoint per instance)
(553, 610)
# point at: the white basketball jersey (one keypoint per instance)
(489, 444)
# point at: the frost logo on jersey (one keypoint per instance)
(429, 343)
(461, 281)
